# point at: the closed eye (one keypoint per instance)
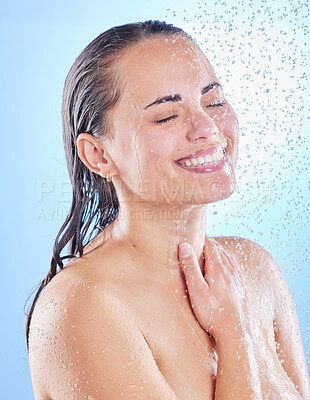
(162, 121)
(214, 105)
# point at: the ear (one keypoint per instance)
(94, 156)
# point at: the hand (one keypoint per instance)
(218, 296)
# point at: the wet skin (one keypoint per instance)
(148, 137)
(133, 273)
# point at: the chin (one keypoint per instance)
(199, 195)
(221, 190)
(216, 191)
(198, 189)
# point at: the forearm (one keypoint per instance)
(248, 369)
(275, 382)
(238, 374)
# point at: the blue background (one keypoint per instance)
(260, 53)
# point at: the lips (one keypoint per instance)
(202, 157)
(217, 163)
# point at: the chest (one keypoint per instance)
(184, 352)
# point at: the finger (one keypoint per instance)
(211, 254)
(229, 260)
(194, 279)
(213, 259)
(216, 260)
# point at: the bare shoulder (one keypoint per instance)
(255, 262)
(244, 249)
(84, 343)
(66, 302)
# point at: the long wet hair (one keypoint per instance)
(91, 90)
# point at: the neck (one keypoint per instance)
(153, 232)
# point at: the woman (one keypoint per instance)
(149, 306)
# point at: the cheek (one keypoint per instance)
(227, 122)
(157, 150)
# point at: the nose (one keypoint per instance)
(201, 126)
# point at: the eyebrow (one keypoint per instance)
(210, 87)
(178, 97)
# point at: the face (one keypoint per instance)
(174, 134)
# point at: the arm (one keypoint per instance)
(287, 334)
(238, 372)
(286, 358)
(84, 344)
(256, 373)
(220, 305)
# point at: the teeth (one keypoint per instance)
(208, 159)
(194, 162)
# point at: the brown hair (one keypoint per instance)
(91, 90)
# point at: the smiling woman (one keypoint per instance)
(149, 305)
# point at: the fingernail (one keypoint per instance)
(185, 250)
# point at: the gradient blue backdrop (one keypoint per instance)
(259, 52)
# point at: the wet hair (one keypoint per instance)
(91, 90)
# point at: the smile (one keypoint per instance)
(207, 160)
